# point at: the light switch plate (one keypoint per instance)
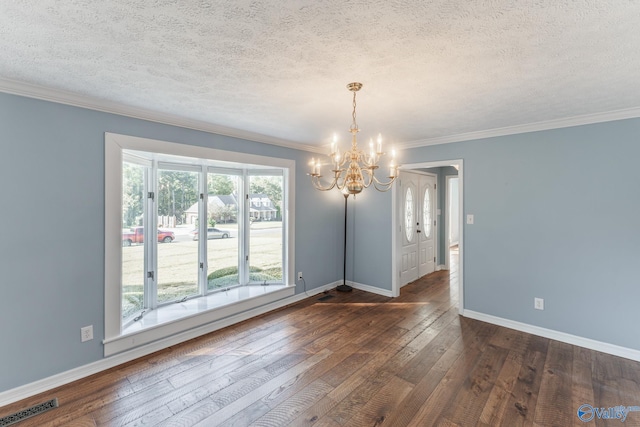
(470, 218)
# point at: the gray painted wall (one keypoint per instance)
(556, 217)
(52, 246)
(369, 252)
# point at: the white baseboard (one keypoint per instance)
(441, 267)
(603, 347)
(40, 386)
(369, 288)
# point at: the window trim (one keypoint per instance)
(115, 341)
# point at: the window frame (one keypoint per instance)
(115, 341)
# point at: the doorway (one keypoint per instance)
(405, 257)
(452, 228)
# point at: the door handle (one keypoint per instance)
(419, 231)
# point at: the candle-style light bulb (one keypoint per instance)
(372, 156)
(334, 144)
(379, 143)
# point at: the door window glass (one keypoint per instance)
(426, 212)
(408, 214)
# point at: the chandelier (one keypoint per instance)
(360, 172)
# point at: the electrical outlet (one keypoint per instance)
(538, 303)
(299, 275)
(86, 333)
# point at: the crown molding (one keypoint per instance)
(586, 119)
(68, 98)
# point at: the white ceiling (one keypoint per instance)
(431, 70)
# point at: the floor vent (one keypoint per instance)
(29, 412)
(326, 297)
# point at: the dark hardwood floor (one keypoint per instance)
(355, 359)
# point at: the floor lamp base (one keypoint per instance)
(344, 288)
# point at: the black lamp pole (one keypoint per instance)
(344, 287)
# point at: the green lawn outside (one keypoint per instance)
(178, 263)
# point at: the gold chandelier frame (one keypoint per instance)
(360, 172)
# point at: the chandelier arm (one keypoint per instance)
(387, 184)
(339, 185)
(368, 172)
(382, 186)
(315, 179)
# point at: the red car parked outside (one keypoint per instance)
(136, 235)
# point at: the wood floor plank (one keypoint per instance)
(554, 400)
(419, 365)
(496, 405)
(475, 338)
(416, 399)
(238, 401)
(316, 414)
(359, 397)
(248, 415)
(382, 404)
(582, 381)
(511, 339)
(520, 407)
(310, 376)
(466, 408)
(291, 408)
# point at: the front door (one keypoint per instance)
(426, 226)
(417, 226)
(409, 184)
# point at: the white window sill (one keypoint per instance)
(180, 317)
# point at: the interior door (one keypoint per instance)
(409, 185)
(426, 225)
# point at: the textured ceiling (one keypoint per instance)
(430, 69)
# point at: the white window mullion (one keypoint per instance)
(203, 223)
(244, 231)
(285, 229)
(151, 242)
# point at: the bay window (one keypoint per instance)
(192, 244)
